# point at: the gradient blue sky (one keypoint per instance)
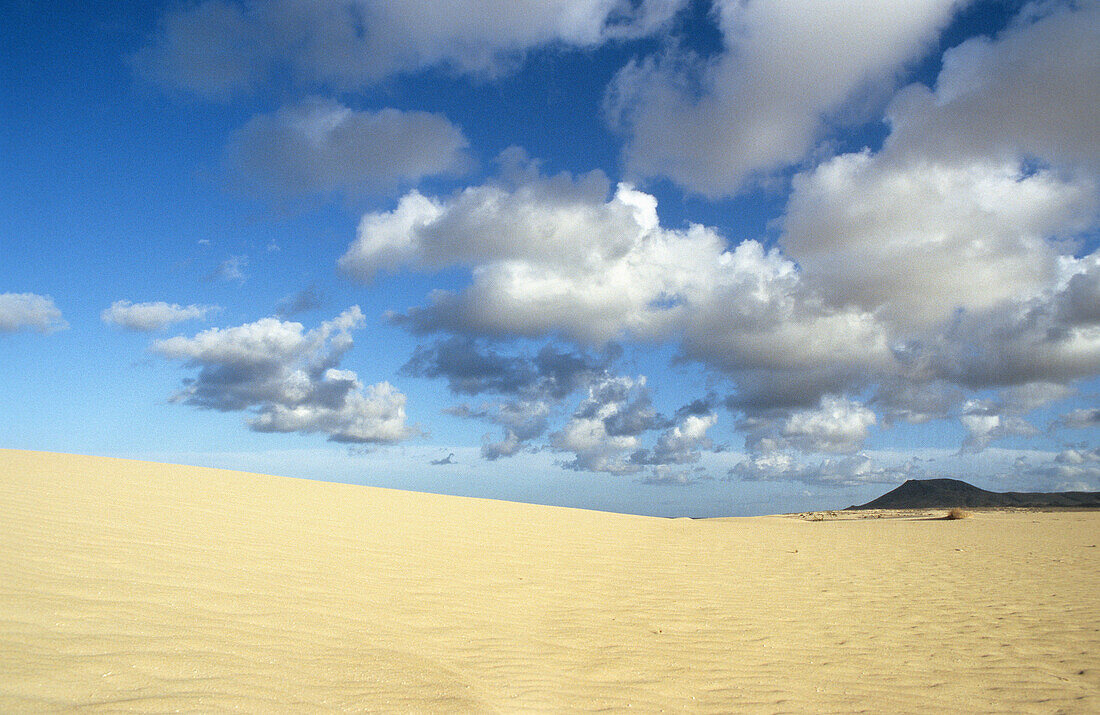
(660, 256)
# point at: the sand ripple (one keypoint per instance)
(132, 586)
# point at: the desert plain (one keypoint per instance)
(137, 586)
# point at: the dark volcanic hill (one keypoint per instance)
(946, 493)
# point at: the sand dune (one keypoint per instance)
(148, 587)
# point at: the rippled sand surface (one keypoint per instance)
(133, 586)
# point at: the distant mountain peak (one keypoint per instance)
(943, 493)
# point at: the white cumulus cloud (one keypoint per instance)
(942, 265)
(986, 421)
(714, 124)
(1031, 91)
(981, 189)
(680, 444)
(1069, 470)
(29, 311)
(557, 255)
(289, 379)
(606, 426)
(549, 254)
(849, 470)
(978, 293)
(918, 241)
(148, 317)
(838, 425)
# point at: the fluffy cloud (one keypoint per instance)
(560, 256)
(992, 419)
(1081, 419)
(1069, 470)
(29, 311)
(915, 275)
(916, 402)
(979, 191)
(986, 421)
(850, 470)
(604, 432)
(838, 426)
(713, 124)
(472, 368)
(217, 48)
(1053, 337)
(550, 254)
(556, 255)
(919, 241)
(148, 317)
(289, 379)
(532, 384)
(1031, 91)
(664, 475)
(320, 146)
(680, 444)
(606, 425)
(962, 236)
(522, 420)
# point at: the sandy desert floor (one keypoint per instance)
(148, 587)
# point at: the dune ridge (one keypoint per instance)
(135, 586)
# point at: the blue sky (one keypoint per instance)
(664, 257)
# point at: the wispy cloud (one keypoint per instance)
(231, 269)
(319, 147)
(304, 301)
(218, 48)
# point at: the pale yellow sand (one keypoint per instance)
(136, 586)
